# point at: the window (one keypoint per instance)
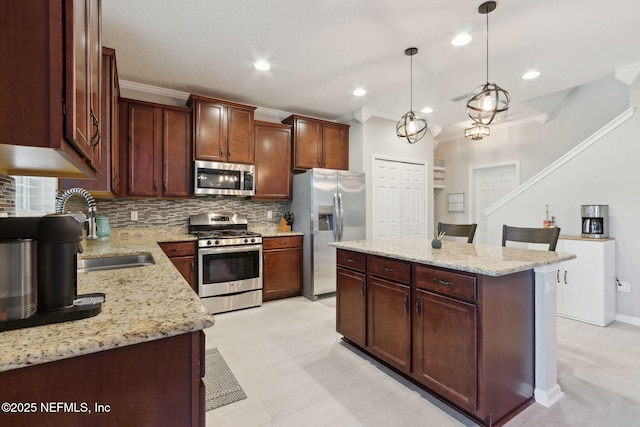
(35, 195)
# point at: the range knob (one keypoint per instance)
(253, 240)
(217, 242)
(208, 242)
(246, 240)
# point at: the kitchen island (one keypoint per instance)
(138, 362)
(473, 324)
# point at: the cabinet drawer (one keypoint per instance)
(397, 271)
(175, 249)
(445, 282)
(281, 242)
(352, 260)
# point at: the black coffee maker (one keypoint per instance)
(58, 240)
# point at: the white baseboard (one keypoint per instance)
(548, 397)
(628, 319)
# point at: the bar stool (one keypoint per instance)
(531, 235)
(458, 230)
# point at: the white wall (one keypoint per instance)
(605, 173)
(377, 137)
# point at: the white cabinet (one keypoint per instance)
(586, 285)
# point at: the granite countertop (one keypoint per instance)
(142, 304)
(482, 259)
(276, 233)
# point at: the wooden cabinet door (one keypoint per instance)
(389, 322)
(210, 124)
(105, 156)
(445, 347)
(186, 267)
(144, 150)
(240, 145)
(176, 149)
(351, 305)
(273, 161)
(83, 50)
(282, 273)
(307, 149)
(335, 148)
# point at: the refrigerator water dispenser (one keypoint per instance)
(325, 218)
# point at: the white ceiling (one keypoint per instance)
(321, 50)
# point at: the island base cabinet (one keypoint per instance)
(445, 347)
(155, 383)
(351, 305)
(389, 322)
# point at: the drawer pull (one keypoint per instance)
(418, 307)
(442, 282)
(351, 260)
(362, 287)
(176, 250)
(406, 303)
(388, 270)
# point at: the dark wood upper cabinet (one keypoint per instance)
(222, 130)
(319, 143)
(83, 40)
(107, 178)
(155, 144)
(50, 77)
(273, 161)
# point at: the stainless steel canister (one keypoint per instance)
(18, 291)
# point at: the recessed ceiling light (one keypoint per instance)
(530, 75)
(461, 39)
(262, 65)
(427, 110)
(359, 92)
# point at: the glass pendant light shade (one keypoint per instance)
(477, 132)
(487, 103)
(411, 127)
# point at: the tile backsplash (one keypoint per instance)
(171, 213)
(154, 212)
(7, 194)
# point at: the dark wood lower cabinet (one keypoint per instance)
(155, 383)
(445, 347)
(183, 258)
(467, 338)
(351, 305)
(282, 267)
(389, 322)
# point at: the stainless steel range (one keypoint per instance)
(229, 261)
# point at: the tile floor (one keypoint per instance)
(297, 372)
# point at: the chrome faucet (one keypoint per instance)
(91, 220)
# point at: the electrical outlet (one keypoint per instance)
(269, 214)
(134, 215)
(624, 287)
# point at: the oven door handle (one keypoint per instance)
(229, 249)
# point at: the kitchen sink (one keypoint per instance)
(115, 262)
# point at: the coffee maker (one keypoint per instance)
(51, 268)
(595, 221)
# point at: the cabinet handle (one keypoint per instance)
(406, 303)
(192, 266)
(442, 282)
(351, 260)
(362, 287)
(319, 163)
(418, 307)
(565, 277)
(176, 250)
(221, 151)
(95, 138)
(229, 152)
(388, 270)
(164, 186)
(155, 186)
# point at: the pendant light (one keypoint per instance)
(411, 127)
(489, 101)
(477, 131)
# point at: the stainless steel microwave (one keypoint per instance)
(223, 179)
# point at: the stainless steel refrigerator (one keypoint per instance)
(329, 205)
